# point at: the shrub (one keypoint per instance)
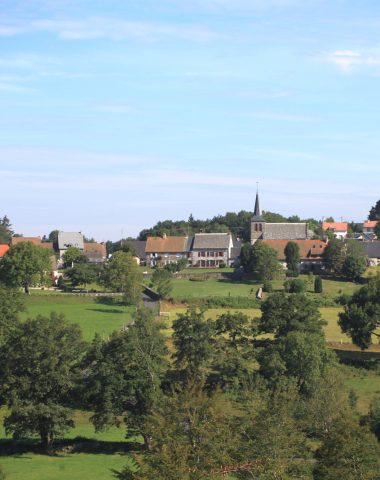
(295, 286)
(318, 287)
(267, 287)
(222, 265)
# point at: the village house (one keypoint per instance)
(164, 250)
(338, 229)
(311, 253)
(211, 250)
(372, 251)
(3, 249)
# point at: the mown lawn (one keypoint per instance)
(91, 316)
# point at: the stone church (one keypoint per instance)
(262, 230)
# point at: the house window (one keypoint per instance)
(199, 254)
(220, 254)
(211, 254)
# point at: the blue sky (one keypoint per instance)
(116, 114)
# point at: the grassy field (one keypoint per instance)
(91, 316)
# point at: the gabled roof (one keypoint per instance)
(370, 224)
(309, 249)
(95, 249)
(372, 249)
(70, 239)
(3, 249)
(285, 231)
(166, 245)
(35, 240)
(335, 226)
(138, 246)
(212, 240)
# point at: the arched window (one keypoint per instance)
(260, 227)
(255, 227)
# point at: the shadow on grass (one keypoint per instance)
(103, 310)
(367, 360)
(116, 302)
(62, 447)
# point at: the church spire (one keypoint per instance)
(257, 217)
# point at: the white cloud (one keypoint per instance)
(112, 29)
(347, 60)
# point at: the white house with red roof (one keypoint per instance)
(339, 229)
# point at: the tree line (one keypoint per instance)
(249, 396)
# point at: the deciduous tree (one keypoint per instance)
(25, 265)
(39, 367)
(293, 258)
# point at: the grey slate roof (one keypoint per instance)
(285, 231)
(139, 247)
(372, 249)
(70, 239)
(211, 240)
(257, 217)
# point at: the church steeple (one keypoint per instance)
(257, 217)
(257, 222)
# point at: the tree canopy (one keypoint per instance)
(261, 260)
(39, 367)
(25, 265)
(361, 316)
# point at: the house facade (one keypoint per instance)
(161, 251)
(311, 253)
(211, 250)
(338, 229)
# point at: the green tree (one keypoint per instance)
(74, 255)
(25, 265)
(39, 369)
(125, 374)
(374, 213)
(282, 313)
(11, 303)
(6, 231)
(334, 256)
(192, 435)
(295, 285)
(293, 258)
(192, 341)
(82, 274)
(162, 281)
(53, 236)
(263, 262)
(354, 267)
(122, 274)
(318, 285)
(361, 315)
(348, 451)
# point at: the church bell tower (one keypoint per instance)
(257, 223)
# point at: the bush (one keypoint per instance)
(222, 265)
(295, 286)
(318, 287)
(268, 287)
(220, 302)
(61, 282)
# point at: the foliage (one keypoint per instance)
(268, 286)
(39, 368)
(373, 417)
(125, 374)
(6, 231)
(176, 266)
(122, 274)
(25, 265)
(348, 451)
(374, 213)
(293, 258)
(318, 285)
(361, 314)
(162, 281)
(74, 255)
(334, 255)
(192, 341)
(282, 314)
(353, 267)
(263, 262)
(53, 236)
(189, 438)
(82, 274)
(11, 303)
(296, 285)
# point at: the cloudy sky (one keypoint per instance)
(116, 114)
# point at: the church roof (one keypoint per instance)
(285, 231)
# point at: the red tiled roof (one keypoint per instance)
(3, 250)
(336, 226)
(95, 248)
(166, 244)
(34, 240)
(370, 224)
(309, 249)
